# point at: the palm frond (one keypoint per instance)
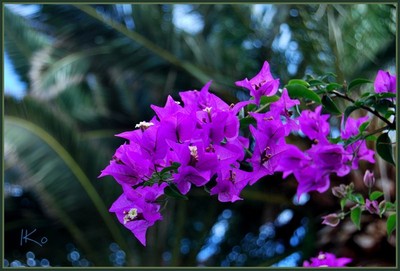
(54, 174)
(22, 40)
(53, 72)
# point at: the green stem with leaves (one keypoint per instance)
(391, 125)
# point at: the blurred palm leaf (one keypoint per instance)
(22, 38)
(59, 164)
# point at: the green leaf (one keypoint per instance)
(355, 216)
(174, 167)
(389, 114)
(358, 198)
(347, 113)
(298, 82)
(334, 86)
(366, 94)
(300, 91)
(368, 101)
(335, 140)
(357, 82)
(382, 106)
(343, 203)
(268, 99)
(172, 191)
(391, 206)
(375, 195)
(391, 224)
(245, 122)
(327, 75)
(315, 82)
(364, 126)
(330, 106)
(384, 148)
(385, 95)
(371, 138)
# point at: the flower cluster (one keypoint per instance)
(311, 167)
(198, 142)
(201, 136)
(326, 260)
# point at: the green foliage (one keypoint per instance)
(300, 91)
(355, 216)
(391, 224)
(172, 191)
(375, 195)
(357, 82)
(329, 105)
(384, 148)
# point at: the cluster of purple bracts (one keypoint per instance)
(201, 135)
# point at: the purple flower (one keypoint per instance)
(314, 125)
(128, 166)
(146, 138)
(230, 183)
(197, 166)
(179, 128)
(358, 149)
(216, 125)
(359, 152)
(266, 155)
(263, 84)
(330, 158)
(325, 259)
(171, 108)
(136, 209)
(198, 100)
(282, 107)
(385, 82)
(293, 160)
(270, 125)
(311, 179)
(351, 127)
(372, 206)
(284, 103)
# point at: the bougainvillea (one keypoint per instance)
(201, 138)
(326, 260)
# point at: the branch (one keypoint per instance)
(373, 111)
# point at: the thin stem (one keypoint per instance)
(376, 131)
(258, 110)
(373, 111)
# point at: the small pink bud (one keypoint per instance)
(331, 220)
(369, 179)
(339, 191)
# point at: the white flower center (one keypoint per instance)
(130, 215)
(193, 152)
(321, 256)
(143, 125)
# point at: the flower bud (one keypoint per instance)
(339, 191)
(369, 179)
(372, 206)
(331, 220)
